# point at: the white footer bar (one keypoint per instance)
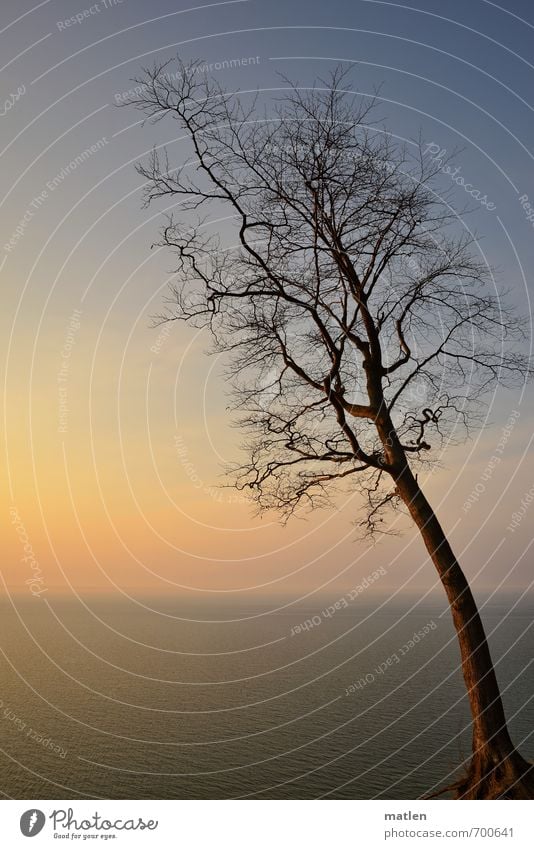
(252, 824)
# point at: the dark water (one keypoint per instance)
(117, 701)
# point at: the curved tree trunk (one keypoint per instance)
(496, 770)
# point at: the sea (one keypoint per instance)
(345, 697)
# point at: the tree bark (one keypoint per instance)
(497, 770)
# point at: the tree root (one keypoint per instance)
(491, 776)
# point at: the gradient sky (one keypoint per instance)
(110, 504)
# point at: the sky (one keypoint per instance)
(114, 432)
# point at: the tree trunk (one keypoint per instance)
(496, 770)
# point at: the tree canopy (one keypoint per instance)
(363, 324)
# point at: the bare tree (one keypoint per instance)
(363, 327)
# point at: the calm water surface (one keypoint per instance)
(119, 701)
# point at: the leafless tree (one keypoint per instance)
(362, 325)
